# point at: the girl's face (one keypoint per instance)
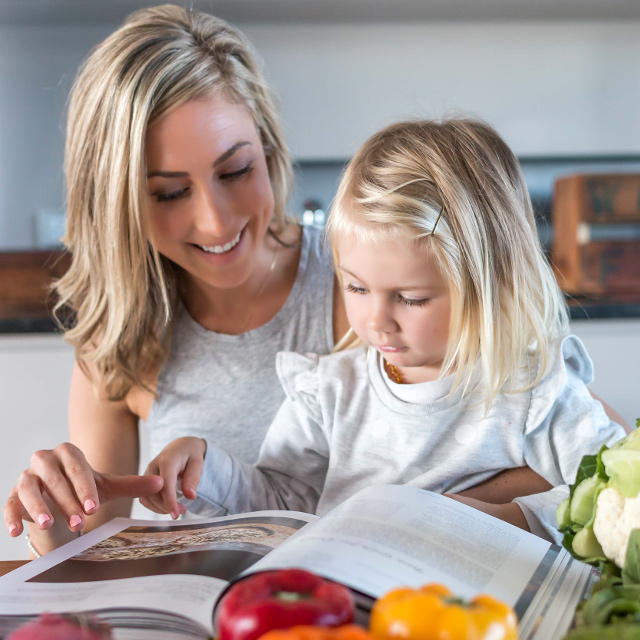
(397, 302)
(210, 195)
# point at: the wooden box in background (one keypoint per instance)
(596, 234)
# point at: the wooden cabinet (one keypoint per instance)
(596, 245)
(25, 282)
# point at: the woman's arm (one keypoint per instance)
(507, 485)
(510, 512)
(107, 433)
(612, 413)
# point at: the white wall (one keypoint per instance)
(37, 68)
(614, 347)
(549, 87)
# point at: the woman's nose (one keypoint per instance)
(211, 216)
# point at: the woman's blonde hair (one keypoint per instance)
(457, 188)
(120, 290)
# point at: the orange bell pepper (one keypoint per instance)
(312, 632)
(433, 613)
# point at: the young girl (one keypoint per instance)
(465, 366)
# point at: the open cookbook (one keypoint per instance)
(163, 579)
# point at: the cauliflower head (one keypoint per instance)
(615, 518)
(603, 508)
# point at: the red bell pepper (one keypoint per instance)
(279, 600)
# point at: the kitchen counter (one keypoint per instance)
(26, 301)
(611, 308)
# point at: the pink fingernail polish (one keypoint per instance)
(74, 521)
(89, 504)
(12, 527)
(42, 518)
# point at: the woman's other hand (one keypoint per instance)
(61, 480)
(509, 512)
(181, 460)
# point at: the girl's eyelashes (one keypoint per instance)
(353, 289)
(172, 195)
(410, 302)
(234, 175)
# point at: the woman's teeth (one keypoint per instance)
(222, 248)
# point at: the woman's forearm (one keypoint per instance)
(507, 485)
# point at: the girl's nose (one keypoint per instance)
(381, 319)
(211, 216)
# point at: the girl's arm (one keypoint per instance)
(61, 486)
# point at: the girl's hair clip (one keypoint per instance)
(437, 220)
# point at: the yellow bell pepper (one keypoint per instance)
(345, 632)
(433, 613)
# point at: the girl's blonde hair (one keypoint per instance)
(457, 188)
(121, 291)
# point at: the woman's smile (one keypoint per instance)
(218, 248)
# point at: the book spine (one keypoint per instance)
(612, 198)
(568, 202)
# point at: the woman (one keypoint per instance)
(186, 278)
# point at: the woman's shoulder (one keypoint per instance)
(316, 248)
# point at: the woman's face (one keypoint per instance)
(211, 199)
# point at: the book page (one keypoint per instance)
(125, 548)
(148, 570)
(385, 537)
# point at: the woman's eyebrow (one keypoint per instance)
(230, 151)
(184, 174)
(167, 174)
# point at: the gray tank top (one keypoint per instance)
(225, 388)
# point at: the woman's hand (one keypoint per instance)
(62, 480)
(509, 512)
(182, 459)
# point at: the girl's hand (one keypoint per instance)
(181, 459)
(63, 479)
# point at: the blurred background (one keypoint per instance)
(559, 79)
